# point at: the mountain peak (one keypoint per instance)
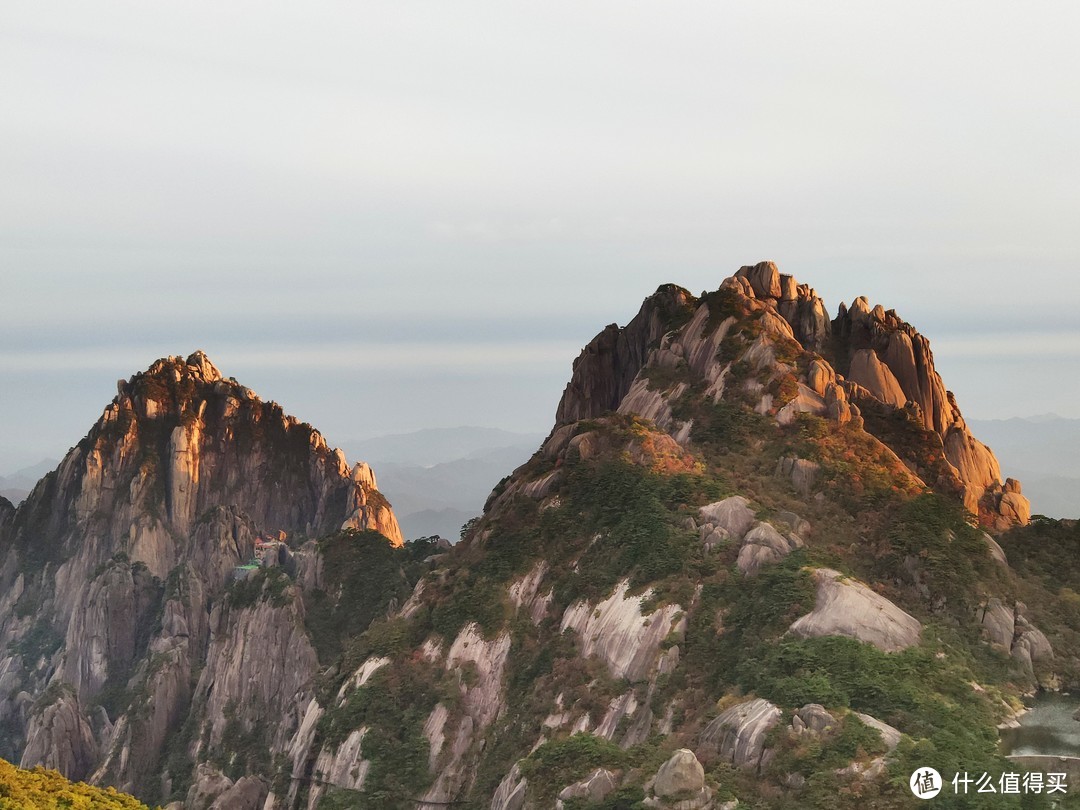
(766, 341)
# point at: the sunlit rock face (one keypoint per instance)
(114, 571)
(877, 359)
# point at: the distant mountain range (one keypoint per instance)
(730, 572)
(16, 486)
(1044, 453)
(437, 479)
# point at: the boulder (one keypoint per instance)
(846, 607)
(998, 622)
(889, 735)
(594, 788)
(733, 515)
(737, 735)
(680, 774)
(764, 278)
(815, 718)
(764, 545)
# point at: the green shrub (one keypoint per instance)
(558, 763)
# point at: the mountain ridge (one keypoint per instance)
(755, 557)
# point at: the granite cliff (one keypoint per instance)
(116, 627)
(755, 558)
(759, 557)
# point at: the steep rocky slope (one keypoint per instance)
(759, 557)
(753, 560)
(123, 640)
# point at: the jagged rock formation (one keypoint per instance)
(742, 513)
(1013, 632)
(607, 367)
(891, 363)
(115, 629)
(886, 361)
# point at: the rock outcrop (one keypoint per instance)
(606, 368)
(737, 735)
(889, 362)
(764, 545)
(1008, 628)
(619, 635)
(594, 788)
(845, 607)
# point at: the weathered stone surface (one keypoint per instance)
(997, 553)
(1006, 627)
(510, 794)
(481, 696)
(764, 278)
(803, 473)
(764, 545)
(846, 607)
(607, 367)
(209, 783)
(889, 735)
(682, 773)
(60, 738)
(815, 718)
(260, 659)
(246, 794)
(873, 375)
(732, 515)
(649, 403)
(343, 766)
(1032, 649)
(737, 735)
(616, 632)
(795, 523)
(541, 487)
(595, 787)
(998, 622)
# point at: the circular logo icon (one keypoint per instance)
(925, 783)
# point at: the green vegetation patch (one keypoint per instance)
(558, 763)
(364, 574)
(269, 584)
(393, 705)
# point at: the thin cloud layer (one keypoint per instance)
(486, 185)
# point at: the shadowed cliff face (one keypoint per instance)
(113, 576)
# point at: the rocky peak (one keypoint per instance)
(797, 303)
(115, 569)
(767, 324)
(605, 369)
(189, 434)
(889, 362)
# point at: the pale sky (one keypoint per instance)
(390, 216)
